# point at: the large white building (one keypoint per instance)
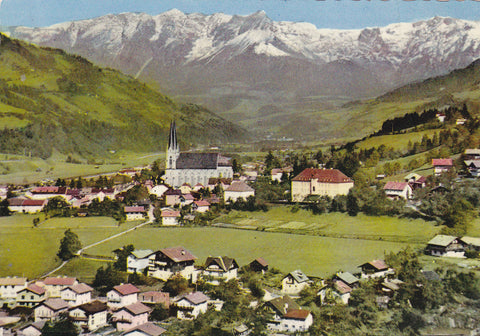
(193, 168)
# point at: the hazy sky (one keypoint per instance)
(342, 14)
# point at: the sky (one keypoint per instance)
(336, 14)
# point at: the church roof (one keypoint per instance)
(197, 161)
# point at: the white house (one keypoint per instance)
(170, 217)
(9, 287)
(122, 295)
(147, 329)
(375, 269)
(288, 316)
(441, 166)
(26, 205)
(221, 268)
(32, 329)
(322, 182)
(294, 282)
(201, 206)
(89, 316)
(170, 261)
(131, 316)
(236, 190)
(445, 245)
(134, 212)
(54, 285)
(77, 294)
(398, 190)
(137, 261)
(31, 296)
(50, 309)
(191, 305)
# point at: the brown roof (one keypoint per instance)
(80, 288)
(148, 328)
(377, 264)
(35, 289)
(195, 298)
(392, 185)
(14, 281)
(442, 162)
(197, 161)
(169, 213)
(239, 186)
(137, 308)
(202, 203)
(178, 254)
(29, 202)
(93, 307)
(60, 281)
(126, 289)
(225, 263)
(297, 314)
(342, 287)
(55, 304)
(283, 304)
(322, 175)
(262, 261)
(134, 209)
(15, 201)
(153, 296)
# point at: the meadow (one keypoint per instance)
(31, 252)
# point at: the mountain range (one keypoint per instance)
(257, 71)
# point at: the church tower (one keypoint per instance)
(173, 150)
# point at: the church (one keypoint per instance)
(193, 168)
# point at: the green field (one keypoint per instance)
(396, 141)
(282, 219)
(31, 252)
(316, 256)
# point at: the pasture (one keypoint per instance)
(29, 251)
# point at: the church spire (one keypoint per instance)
(172, 140)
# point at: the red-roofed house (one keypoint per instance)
(441, 165)
(375, 269)
(147, 329)
(398, 190)
(30, 296)
(131, 316)
(134, 212)
(191, 305)
(323, 182)
(170, 261)
(201, 206)
(154, 298)
(288, 316)
(77, 294)
(26, 205)
(122, 295)
(43, 193)
(54, 285)
(170, 217)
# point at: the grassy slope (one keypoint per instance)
(76, 107)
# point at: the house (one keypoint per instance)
(172, 197)
(54, 285)
(122, 295)
(460, 121)
(32, 329)
(221, 268)
(445, 246)
(348, 278)
(193, 168)
(3, 192)
(44, 193)
(398, 190)
(170, 217)
(473, 167)
(416, 181)
(294, 282)
(339, 291)
(259, 265)
(50, 309)
(77, 294)
(158, 190)
(171, 261)
(323, 182)
(441, 166)
(222, 182)
(472, 154)
(10, 287)
(471, 243)
(389, 287)
(26, 205)
(375, 269)
(288, 316)
(152, 298)
(276, 174)
(441, 116)
(147, 329)
(89, 316)
(236, 190)
(201, 206)
(189, 306)
(185, 188)
(186, 199)
(197, 187)
(131, 316)
(242, 330)
(134, 212)
(137, 261)
(31, 296)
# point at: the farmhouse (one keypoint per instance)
(189, 306)
(323, 182)
(193, 168)
(473, 167)
(259, 265)
(471, 243)
(170, 261)
(26, 205)
(137, 261)
(238, 189)
(441, 166)
(444, 245)
(398, 190)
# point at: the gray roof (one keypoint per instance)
(474, 241)
(140, 254)
(299, 276)
(197, 161)
(472, 151)
(442, 240)
(347, 277)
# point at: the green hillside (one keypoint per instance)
(50, 100)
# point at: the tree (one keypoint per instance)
(352, 204)
(159, 313)
(69, 245)
(122, 254)
(62, 327)
(57, 207)
(106, 279)
(4, 210)
(176, 285)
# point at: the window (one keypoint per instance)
(31, 297)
